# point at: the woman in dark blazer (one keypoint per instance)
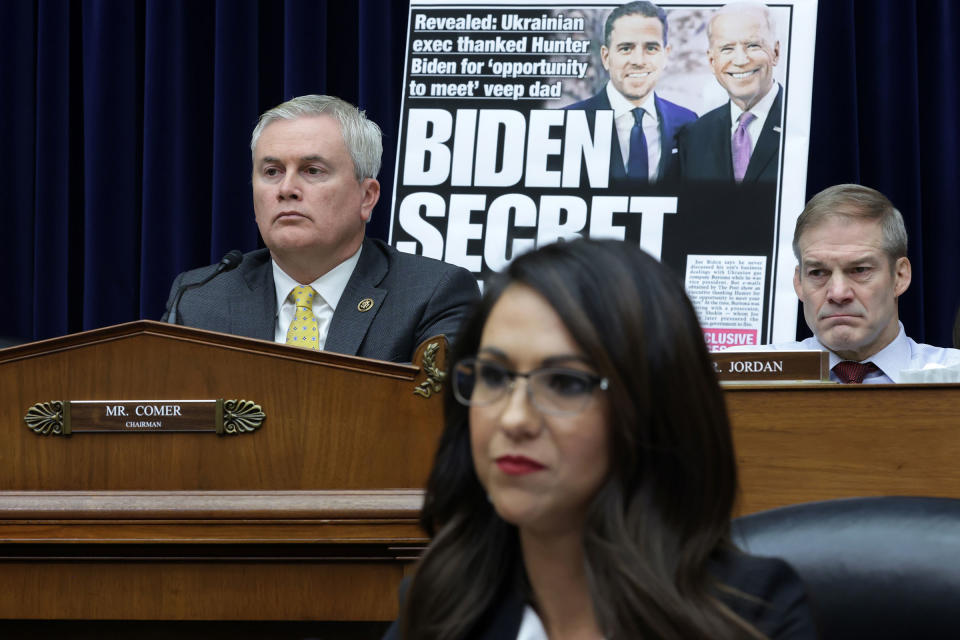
(585, 480)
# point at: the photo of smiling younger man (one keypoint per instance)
(738, 142)
(634, 53)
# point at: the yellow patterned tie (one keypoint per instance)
(303, 330)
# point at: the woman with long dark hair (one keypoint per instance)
(585, 480)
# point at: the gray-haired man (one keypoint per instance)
(851, 246)
(320, 283)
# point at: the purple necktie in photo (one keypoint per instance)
(637, 164)
(741, 146)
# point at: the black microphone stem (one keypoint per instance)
(228, 262)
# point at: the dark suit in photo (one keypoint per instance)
(671, 116)
(414, 298)
(704, 147)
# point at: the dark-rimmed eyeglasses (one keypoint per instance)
(478, 382)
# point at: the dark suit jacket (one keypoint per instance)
(704, 148)
(776, 604)
(414, 298)
(672, 118)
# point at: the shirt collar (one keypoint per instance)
(621, 105)
(330, 285)
(760, 110)
(895, 357)
(891, 360)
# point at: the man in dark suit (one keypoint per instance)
(634, 53)
(320, 283)
(739, 141)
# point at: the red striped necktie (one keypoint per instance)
(851, 372)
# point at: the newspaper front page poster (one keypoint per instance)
(520, 127)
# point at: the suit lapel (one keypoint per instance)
(768, 145)
(668, 133)
(349, 325)
(259, 319)
(722, 145)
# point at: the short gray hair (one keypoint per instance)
(743, 7)
(362, 136)
(854, 201)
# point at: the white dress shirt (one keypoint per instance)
(761, 110)
(329, 287)
(531, 628)
(624, 120)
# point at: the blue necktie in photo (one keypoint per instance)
(637, 164)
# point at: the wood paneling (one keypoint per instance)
(798, 443)
(314, 516)
(333, 422)
(175, 589)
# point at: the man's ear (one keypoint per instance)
(902, 275)
(371, 195)
(796, 282)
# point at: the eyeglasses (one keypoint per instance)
(553, 390)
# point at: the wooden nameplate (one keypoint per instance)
(772, 366)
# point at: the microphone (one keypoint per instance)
(228, 262)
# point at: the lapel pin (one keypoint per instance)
(777, 129)
(365, 305)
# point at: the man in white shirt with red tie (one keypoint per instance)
(851, 246)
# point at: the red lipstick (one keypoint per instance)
(518, 465)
